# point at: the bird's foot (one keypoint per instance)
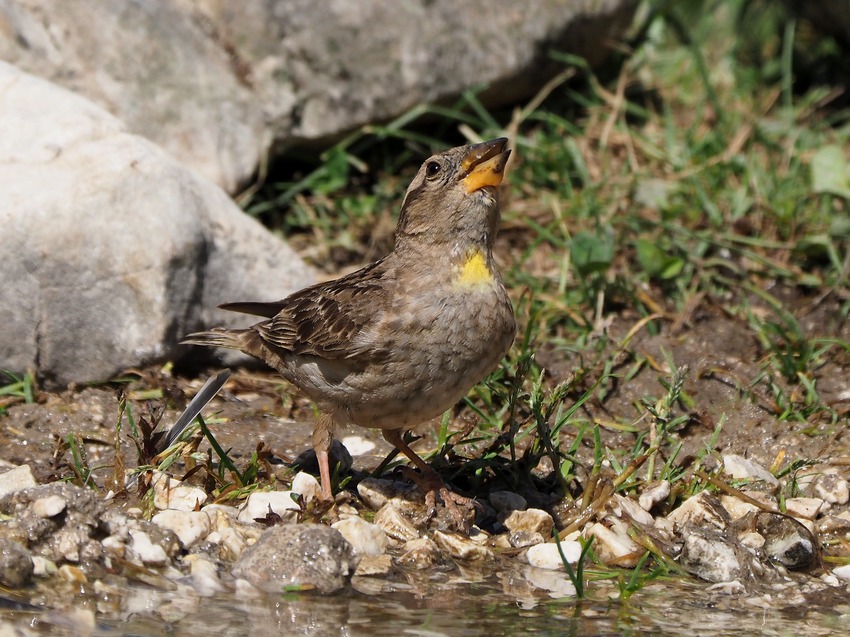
(460, 509)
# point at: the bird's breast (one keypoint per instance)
(474, 272)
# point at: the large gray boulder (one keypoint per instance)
(220, 84)
(112, 250)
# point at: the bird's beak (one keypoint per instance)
(484, 164)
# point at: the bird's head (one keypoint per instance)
(454, 198)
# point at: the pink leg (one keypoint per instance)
(322, 440)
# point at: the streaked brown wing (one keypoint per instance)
(324, 319)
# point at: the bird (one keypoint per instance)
(405, 338)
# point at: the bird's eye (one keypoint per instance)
(432, 169)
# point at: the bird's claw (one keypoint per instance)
(461, 510)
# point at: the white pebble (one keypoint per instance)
(260, 503)
(16, 479)
(306, 486)
(366, 538)
(204, 575)
(654, 495)
(742, 468)
(190, 526)
(169, 493)
(49, 506)
(547, 555)
(148, 552)
(832, 488)
(461, 547)
(614, 545)
(42, 567)
(531, 520)
(806, 508)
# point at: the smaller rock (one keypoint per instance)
(376, 492)
(420, 554)
(547, 555)
(785, 541)
(260, 503)
(366, 538)
(230, 542)
(613, 545)
(169, 493)
(114, 545)
(530, 520)
(751, 540)
(302, 556)
(741, 468)
(461, 547)
(48, 507)
(793, 552)
(523, 539)
(699, 510)
(346, 509)
(204, 576)
(666, 529)
(16, 479)
(806, 508)
(842, 572)
(149, 553)
(831, 488)
(395, 524)
(839, 523)
(768, 501)
(709, 556)
(736, 507)
(631, 509)
(658, 492)
(221, 513)
(507, 501)
(16, 565)
(371, 565)
(72, 574)
(306, 486)
(501, 541)
(42, 567)
(190, 526)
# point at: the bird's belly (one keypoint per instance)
(428, 372)
(415, 366)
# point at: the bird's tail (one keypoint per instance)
(231, 339)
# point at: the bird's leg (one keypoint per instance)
(431, 483)
(322, 440)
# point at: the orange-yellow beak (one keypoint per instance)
(484, 164)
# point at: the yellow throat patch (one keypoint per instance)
(474, 271)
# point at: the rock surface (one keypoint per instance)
(222, 83)
(112, 250)
(307, 556)
(16, 566)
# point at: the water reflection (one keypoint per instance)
(512, 601)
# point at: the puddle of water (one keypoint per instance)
(441, 604)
